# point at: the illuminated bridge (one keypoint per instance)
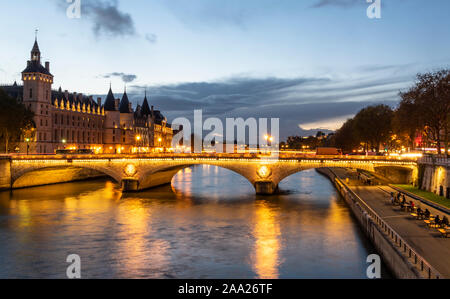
(135, 173)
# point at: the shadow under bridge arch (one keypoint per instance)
(163, 175)
(40, 175)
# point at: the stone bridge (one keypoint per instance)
(138, 173)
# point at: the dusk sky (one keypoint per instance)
(312, 63)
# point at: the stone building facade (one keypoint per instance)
(66, 120)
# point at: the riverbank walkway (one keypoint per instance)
(428, 242)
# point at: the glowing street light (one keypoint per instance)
(28, 144)
(138, 139)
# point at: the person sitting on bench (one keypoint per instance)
(437, 220)
(444, 222)
(427, 214)
(419, 212)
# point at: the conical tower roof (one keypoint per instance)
(110, 101)
(35, 47)
(145, 107)
(125, 104)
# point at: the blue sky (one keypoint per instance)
(313, 63)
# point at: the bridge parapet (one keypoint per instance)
(435, 160)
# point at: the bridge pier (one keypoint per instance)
(130, 185)
(265, 188)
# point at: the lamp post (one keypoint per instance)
(28, 145)
(64, 141)
(138, 139)
(268, 138)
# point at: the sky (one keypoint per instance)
(311, 63)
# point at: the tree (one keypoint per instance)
(15, 120)
(373, 126)
(345, 137)
(430, 100)
(405, 123)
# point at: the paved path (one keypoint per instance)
(426, 241)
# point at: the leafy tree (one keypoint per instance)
(430, 98)
(15, 121)
(373, 126)
(345, 137)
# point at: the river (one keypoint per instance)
(207, 224)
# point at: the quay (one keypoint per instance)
(407, 246)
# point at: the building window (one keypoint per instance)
(31, 93)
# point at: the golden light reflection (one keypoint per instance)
(183, 181)
(266, 256)
(137, 252)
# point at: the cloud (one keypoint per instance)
(213, 13)
(304, 105)
(126, 78)
(106, 17)
(331, 124)
(151, 38)
(339, 3)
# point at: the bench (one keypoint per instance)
(415, 215)
(430, 223)
(444, 233)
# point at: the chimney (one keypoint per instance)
(116, 104)
(66, 94)
(99, 102)
(47, 66)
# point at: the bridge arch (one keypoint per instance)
(39, 175)
(164, 174)
(397, 174)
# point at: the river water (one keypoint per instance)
(207, 224)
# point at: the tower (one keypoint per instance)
(37, 89)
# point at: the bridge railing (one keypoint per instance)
(209, 156)
(407, 250)
(435, 160)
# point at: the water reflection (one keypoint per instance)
(207, 224)
(266, 259)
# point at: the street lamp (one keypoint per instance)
(28, 144)
(138, 139)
